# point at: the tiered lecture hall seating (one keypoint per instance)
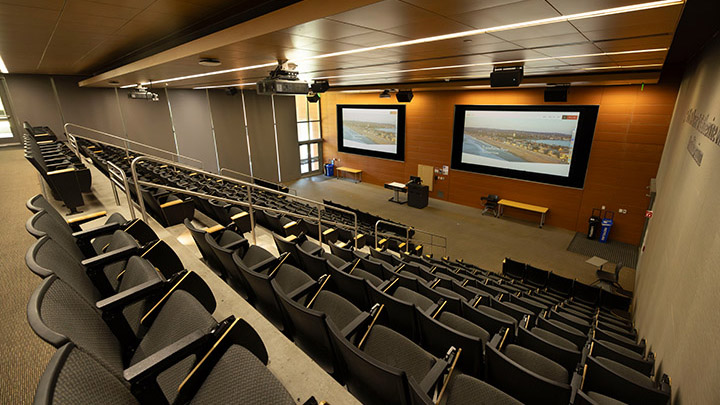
(65, 174)
(171, 209)
(131, 325)
(394, 328)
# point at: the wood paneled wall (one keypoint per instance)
(626, 150)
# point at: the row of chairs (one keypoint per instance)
(131, 324)
(65, 174)
(185, 179)
(439, 315)
(300, 293)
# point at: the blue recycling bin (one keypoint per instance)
(605, 225)
(329, 169)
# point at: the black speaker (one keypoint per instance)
(320, 86)
(557, 94)
(404, 96)
(231, 91)
(506, 77)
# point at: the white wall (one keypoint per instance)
(677, 295)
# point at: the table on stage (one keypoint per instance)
(397, 188)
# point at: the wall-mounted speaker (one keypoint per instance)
(557, 94)
(510, 76)
(404, 96)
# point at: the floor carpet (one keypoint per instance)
(612, 251)
(23, 356)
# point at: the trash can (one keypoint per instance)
(329, 169)
(594, 224)
(606, 224)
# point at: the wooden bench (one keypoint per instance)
(357, 173)
(527, 207)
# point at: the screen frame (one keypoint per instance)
(399, 155)
(581, 148)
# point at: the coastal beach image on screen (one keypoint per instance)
(531, 141)
(370, 129)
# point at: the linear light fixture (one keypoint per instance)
(624, 67)
(507, 27)
(586, 55)
(3, 68)
(222, 86)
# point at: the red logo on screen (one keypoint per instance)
(569, 117)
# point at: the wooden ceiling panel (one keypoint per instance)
(515, 12)
(429, 28)
(373, 38)
(91, 8)
(574, 6)
(555, 40)
(646, 22)
(567, 50)
(454, 7)
(651, 42)
(44, 4)
(327, 29)
(385, 14)
(540, 31)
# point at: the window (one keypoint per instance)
(309, 135)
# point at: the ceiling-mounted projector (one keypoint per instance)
(142, 93)
(283, 80)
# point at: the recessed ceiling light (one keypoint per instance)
(3, 68)
(544, 21)
(210, 62)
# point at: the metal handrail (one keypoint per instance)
(126, 141)
(408, 239)
(253, 178)
(118, 178)
(249, 187)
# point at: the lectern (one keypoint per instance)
(417, 195)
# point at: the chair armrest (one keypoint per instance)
(215, 228)
(60, 171)
(432, 377)
(242, 243)
(86, 218)
(294, 294)
(123, 299)
(239, 215)
(166, 357)
(110, 257)
(95, 232)
(171, 203)
(351, 327)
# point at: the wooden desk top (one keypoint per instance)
(348, 169)
(523, 206)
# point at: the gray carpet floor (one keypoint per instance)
(612, 251)
(23, 356)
